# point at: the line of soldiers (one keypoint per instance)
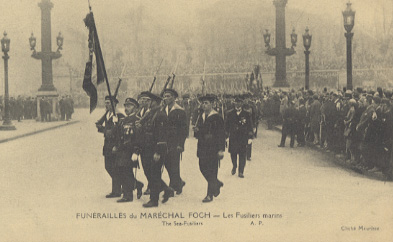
(155, 129)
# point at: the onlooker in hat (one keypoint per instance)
(315, 118)
(350, 127)
(288, 125)
(301, 122)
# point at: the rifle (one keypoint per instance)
(101, 120)
(168, 80)
(203, 79)
(166, 84)
(173, 74)
(155, 76)
(173, 80)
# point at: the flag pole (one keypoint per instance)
(103, 65)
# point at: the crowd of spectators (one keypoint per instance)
(356, 125)
(25, 108)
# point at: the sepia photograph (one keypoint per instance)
(202, 120)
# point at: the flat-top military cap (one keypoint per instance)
(145, 94)
(132, 101)
(208, 97)
(171, 91)
(113, 98)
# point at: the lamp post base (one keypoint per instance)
(281, 83)
(7, 127)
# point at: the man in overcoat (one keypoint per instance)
(239, 129)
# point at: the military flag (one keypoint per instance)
(94, 47)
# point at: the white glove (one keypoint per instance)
(156, 157)
(249, 141)
(115, 119)
(134, 157)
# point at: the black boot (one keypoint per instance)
(150, 204)
(220, 184)
(180, 190)
(139, 187)
(124, 200)
(147, 192)
(169, 192)
(233, 171)
(207, 199)
(111, 195)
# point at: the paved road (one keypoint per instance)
(48, 178)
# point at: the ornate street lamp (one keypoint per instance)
(59, 41)
(266, 37)
(349, 22)
(307, 44)
(33, 42)
(293, 38)
(5, 47)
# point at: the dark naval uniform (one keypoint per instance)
(156, 131)
(145, 117)
(211, 139)
(177, 133)
(128, 144)
(107, 126)
(239, 129)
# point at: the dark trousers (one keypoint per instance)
(68, 115)
(62, 115)
(147, 159)
(44, 118)
(172, 165)
(256, 130)
(330, 135)
(156, 183)
(287, 130)
(209, 169)
(300, 134)
(323, 134)
(249, 149)
(111, 168)
(127, 181)
(242, 161)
